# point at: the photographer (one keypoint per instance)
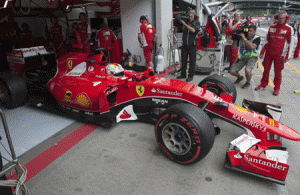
(190, 29)
(248, 44)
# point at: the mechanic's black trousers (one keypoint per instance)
(191, 52)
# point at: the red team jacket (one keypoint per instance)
(148, 32)
(279, 37)
(105, 38)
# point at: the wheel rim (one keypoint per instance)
(3, 94)
(176, 138)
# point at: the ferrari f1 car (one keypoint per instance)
(85, 85)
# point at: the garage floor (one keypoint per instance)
(65, 156)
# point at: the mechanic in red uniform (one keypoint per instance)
(147, 35)
(296, 53)
(232, 26)
(106, 38)
(57, 39)
(277, 50)
(248, 21)
(26, 40)
(84, 31)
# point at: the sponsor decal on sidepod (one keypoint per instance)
(248, 122)
(166, 92)
(159, 101)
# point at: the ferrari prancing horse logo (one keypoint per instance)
(68, 96)
(70, 64)
(140, 89)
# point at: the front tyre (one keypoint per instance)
(219, 84)
(185, 133)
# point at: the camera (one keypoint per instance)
(243, 29)
(183, 16)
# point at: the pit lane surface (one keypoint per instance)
(126, 159)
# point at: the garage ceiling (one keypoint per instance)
(181, 5)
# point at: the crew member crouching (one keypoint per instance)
(248, 55)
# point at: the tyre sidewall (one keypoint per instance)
(15, 88)
(4, 90)
(191, 127)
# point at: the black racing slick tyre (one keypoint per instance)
(13, 90)
(219, 84)
(185, 133)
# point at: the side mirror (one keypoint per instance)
(122, 80)
(221, 104)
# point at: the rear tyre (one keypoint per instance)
(185, 133)
(13, 91)
(219, 84)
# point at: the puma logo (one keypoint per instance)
(125, 115)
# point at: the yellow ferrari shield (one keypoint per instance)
(70, 64)
(68, 96)
(140, 89)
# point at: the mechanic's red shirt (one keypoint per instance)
(106, 38)
(232, 26)
(56, 34)
(148, 32)
(83, 29)
(279, 38)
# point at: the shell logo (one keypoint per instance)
(83, 100)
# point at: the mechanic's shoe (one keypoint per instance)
(181, 77)
(189, 79)
(276, 92)
(239, 80)
(297, 91)
(259, 88)
(246, 85)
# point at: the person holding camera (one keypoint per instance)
(190, 29)
(229, 31)
(277, 50)
(248, 44)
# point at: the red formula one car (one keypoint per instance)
(86, 86)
